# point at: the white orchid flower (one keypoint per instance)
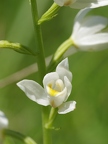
(89, 31)
(3, 124)
(57, 88)
(80, 4)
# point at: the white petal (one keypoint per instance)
(60, 2)
(59, 85)
(64, 63)
(50, 78)
(63, 69)
(64, 2)
(79, 4)
(94, 42)
(57, 100)
(78, 20)
(67, 107)
(3, 121)
(34, 91)
(91, 25)
(68, 85)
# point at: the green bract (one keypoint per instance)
(16, 47)
(49, 14)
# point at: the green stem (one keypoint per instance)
(39, 41)
(41, 67)
(19, 136)
(47, 137)
(48, 125)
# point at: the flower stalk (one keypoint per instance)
(52, 116)
(47, 136)
(62, 49)
(59, 53)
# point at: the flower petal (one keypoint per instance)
(92, 25)
(64, 2)
(63, 69)
(60, 2)
(50, 78)
(79, 4)
(67, 107)
(78, 20)
(3, 121)
(68, 85)
(34, 91)
(57, 100)
(94, 42)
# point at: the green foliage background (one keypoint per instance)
(88, 124)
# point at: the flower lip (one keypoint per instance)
(56, 88)
(51, 91)
(56, 101)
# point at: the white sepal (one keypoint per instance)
(34, 91)
(67, 107)
(63, 70)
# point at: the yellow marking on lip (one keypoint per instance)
(51, 91)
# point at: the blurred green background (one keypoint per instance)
(88, 124)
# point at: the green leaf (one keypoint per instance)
(16, 47)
